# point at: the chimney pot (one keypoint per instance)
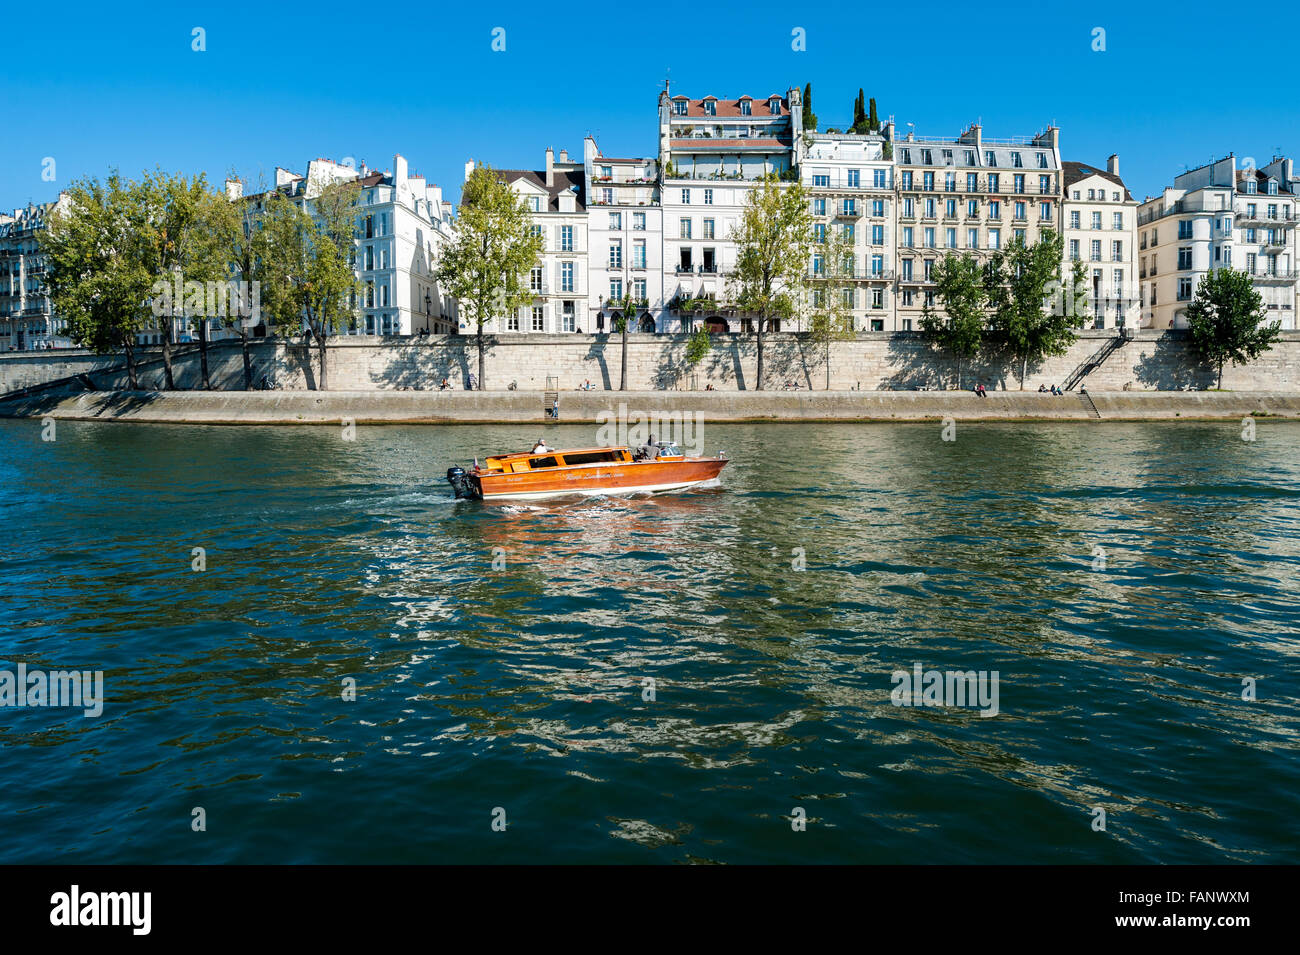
(1112, 164)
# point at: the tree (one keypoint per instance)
(1026, 321)
(628, 310)
(177, 239)
(809, 117)
(97, 279)
(859, 114)
(485, 268)
(698, 345)
(1225, 321)
(249, 260)
(773, 244)
(308, 256)
(832, 318)
(960, 287)
(873, 119)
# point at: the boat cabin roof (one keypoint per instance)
(527, 461)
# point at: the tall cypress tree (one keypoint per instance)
(873, 121)
(809, 117)
(859, 112)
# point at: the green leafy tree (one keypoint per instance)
(486, 267)
(959, 285)
(1226, 319)
(873, 119)
(178, 240)
(832, 314)
(698, 346)
(859, 114)
(773, 245)
(627, 310)
(250, 261)
(1027, 321)
(97, 279)
(309, 256)
(809, 117)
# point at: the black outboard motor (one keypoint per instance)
(459, 482)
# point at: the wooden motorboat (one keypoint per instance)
(588, 471)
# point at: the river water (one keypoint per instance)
(700, 677)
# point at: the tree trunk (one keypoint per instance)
(169, 383)
(1220, 376)
(758, 382)
(481, 364)
(959, 379)
(248, 361)
(1024, 370)
(320, 344)
(203, 354)
(622, 375)
(828, 364)
(131, 377)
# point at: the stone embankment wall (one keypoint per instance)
(872, 362)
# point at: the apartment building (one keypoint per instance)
(1217, 216)
(27, 323)
(968, 194)
(712, 152)
(851, 184)
(1100, 230)
(556, 199)
(625, 233)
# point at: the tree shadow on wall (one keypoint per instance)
(596, 353)
(1171, 366)
(422, 365)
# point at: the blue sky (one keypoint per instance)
(98, 86)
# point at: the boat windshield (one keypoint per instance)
(669, 450)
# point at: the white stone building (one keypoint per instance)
(403, 224)
(625, 232)
(711, 153)
(556, 199)
(27, 322)
(1100, 230)
(852, 187)
(1220, 216)
(968, 194)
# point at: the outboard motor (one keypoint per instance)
(459, 482)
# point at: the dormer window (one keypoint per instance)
(990, 158)
(1016, 161)
(774, 105)
(1042, 160)
(1272, 188)
(745, 109)
(710, 108)
(679, 106)
(1250, 187)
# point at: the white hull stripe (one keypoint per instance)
(593, 492)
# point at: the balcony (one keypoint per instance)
(1260, 218)
(1279, 276)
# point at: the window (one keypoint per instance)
(950, 208)
(1250, 187)
(567, 316)
(909, 208)
(848, 233)
(708, 197)
(1045, 212)
(745, 107)
(1042, 160)
(928, 270)
(1016, 161)
(877, 265)
(606, 196)
(1117, 222)
(1095, 245)
(710, 108)
(972, 238)
(995, 238)
(616, 220)
(949, 182)
(927, 180)
(535, 203)
(566, 276)
(970, 157)
(995, 209)
(817, 263)
(972, 208)
(1074, 250)
(679, 107)
(1185, 257)
(877, 235)
(972, 182)
(1074, 220)
(1184, 289)
(878, 208)
(539, 319)
(616, 254)
(1117, 251)
(929, 238)
(854, 178)
(686, 197)
(907, 270)
(774, 106)
(1185, 229)
(950, 238)
(907, 180)
(990, 158)
(994, 179)
(823, 182)
(708, 228)
(879, 178)
(819, 232)
(638, 253)
(1096, 220)
(615, 290)
(638, 290)
(512, 323)
(685, 226)
(1044, 185)
(566, 238)
(638, 221)
(849, 206)
(908, 241)
(535, 280)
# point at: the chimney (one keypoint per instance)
(469, 168)
(399, 171)
(564, 155)
(234, 189)
(1112, 164)
(550, 167)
